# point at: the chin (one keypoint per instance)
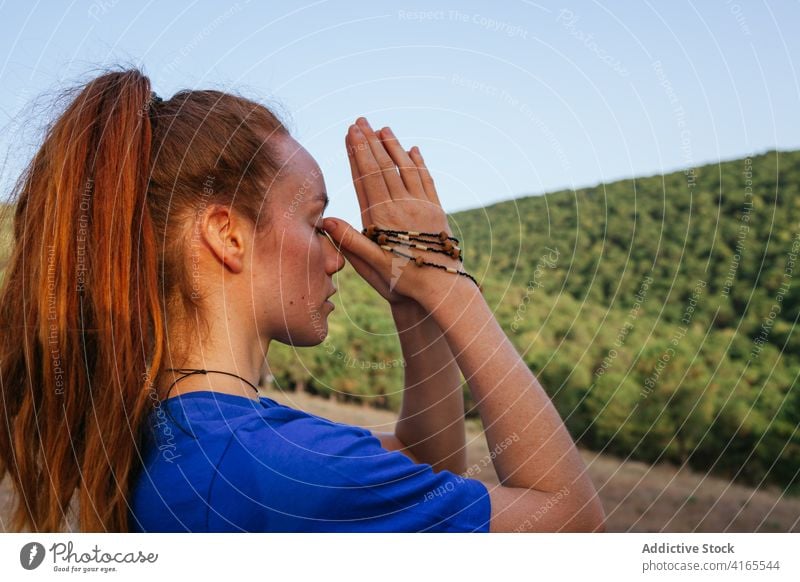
(310, 332)
(313, 336)
(304, 341)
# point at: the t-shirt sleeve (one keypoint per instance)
(315, 475)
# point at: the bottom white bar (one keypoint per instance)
(390, 557)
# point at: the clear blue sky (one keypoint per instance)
(504, 99)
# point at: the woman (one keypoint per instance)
(160, 246)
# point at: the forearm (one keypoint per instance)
(513, 406)
(431, 421)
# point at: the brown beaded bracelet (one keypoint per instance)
(450, 249)
(379, 236)
(372, 229)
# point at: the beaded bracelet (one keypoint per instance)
(441, 235)
(449, 249)
(378, 235)
(381, 236)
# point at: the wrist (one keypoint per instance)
(443, 289)
(407, 314)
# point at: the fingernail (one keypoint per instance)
(388, 130)
(329, 224)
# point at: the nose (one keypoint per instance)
(334, 261)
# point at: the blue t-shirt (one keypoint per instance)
(265, 467)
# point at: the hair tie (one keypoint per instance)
(151, 102)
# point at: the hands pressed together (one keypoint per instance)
(395, 190)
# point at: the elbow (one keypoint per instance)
(586, 513)
(599, 525)
(591, 517)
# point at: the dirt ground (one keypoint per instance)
(636, 496)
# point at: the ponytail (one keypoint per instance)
(82, 326)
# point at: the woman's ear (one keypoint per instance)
(224, 233)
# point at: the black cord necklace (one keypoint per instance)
(190, 372)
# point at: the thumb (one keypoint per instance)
(367, 273)
(349, 239)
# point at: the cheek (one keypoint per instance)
(308, 254)
(301, 262)
(290, 249)
(293, 266)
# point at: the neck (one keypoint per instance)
(226, 339)
(242, 358)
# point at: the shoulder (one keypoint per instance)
(282, 431)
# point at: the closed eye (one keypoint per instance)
(323, 232)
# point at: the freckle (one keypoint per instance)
(291, 302)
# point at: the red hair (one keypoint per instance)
(99, 261)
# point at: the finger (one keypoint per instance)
(363, 200)
(408, 169)
(367, 273)
(348, 239)
(425, 175)
(385, 164)
(369, 172)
